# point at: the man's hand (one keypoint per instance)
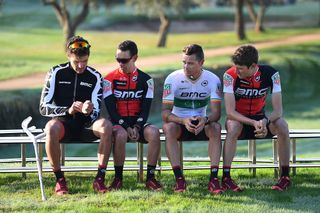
(261, 130)
(133, 133)
(194, 124)
(75, 107)
(201, 124)
(87, 107)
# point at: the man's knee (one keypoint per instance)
(234, 129)
(170, 129)
(151, 133)
(120, 136)
(281, 127)
(54, 128)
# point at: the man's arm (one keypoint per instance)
(230, 104)
(47, 107)
(215, 114)
(276, 101)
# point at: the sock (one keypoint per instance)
(214, 172)
(101, 172)
(284, 171)
(59, 174)
(150, 171)
(177, 172)
(118, 172)
(226, 172)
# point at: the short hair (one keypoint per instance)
(194, 49)
(128, 45)
(245, 55)
(80, 51)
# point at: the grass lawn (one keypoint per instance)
(23, 195)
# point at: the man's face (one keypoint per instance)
(244, 72)
(78, 63)
(192, 67)
(125, 60)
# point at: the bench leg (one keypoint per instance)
(181, 155)
(159, 163)
(23, 159)
(252, 153)
(140, 162)
(294, 155)
(63, 154)
(275, 157)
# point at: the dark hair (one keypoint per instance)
(128, 45)
(194, 49)
(81, 51)
(245, 55)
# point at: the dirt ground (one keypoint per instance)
(37, 80)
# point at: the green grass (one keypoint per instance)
(23, 195)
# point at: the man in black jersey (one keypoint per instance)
(72, 97)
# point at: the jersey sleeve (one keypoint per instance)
(215, 88)
(146, 103)
(47, 106)
(228, 82)
(276, 84)
(168, 94)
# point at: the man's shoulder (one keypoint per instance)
(60, 66)
(143, 74)
(176, 74)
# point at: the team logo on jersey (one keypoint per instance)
(150, 84)
(85, 84)
(204, 83)
(227, 80)
(276, 78)
(257, 78)
(166, 90)
(106, 85)
(134, 78)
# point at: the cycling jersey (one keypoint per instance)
(128, 95)
(250, 93)
(63, 86)
(191, 98)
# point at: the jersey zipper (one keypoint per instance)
(74, 90)
(128, 90)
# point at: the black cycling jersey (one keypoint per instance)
(63, 86)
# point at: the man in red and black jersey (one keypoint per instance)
(246, 85)
(128, 93)
(72, 97)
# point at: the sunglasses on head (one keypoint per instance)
(79, 44)
(123, 60)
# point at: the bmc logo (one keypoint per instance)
(193, 94)
(128, 94)
(251, 92)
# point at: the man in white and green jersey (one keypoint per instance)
(187, 94)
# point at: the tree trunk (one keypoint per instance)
(163, 30)
(239, 20)
(259, 22)
(251, 11)
(63, 16)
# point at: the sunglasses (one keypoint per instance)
(79, 44)
(123, 60)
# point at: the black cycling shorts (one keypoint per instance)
(75, 131)
(189, 136)
(248, 130)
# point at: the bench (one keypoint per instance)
(17, 136)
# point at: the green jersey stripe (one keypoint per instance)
(190, 104)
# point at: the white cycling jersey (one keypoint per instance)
(191, 98)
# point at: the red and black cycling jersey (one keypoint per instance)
(63, 86)
(128, 95)
(250, 93)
